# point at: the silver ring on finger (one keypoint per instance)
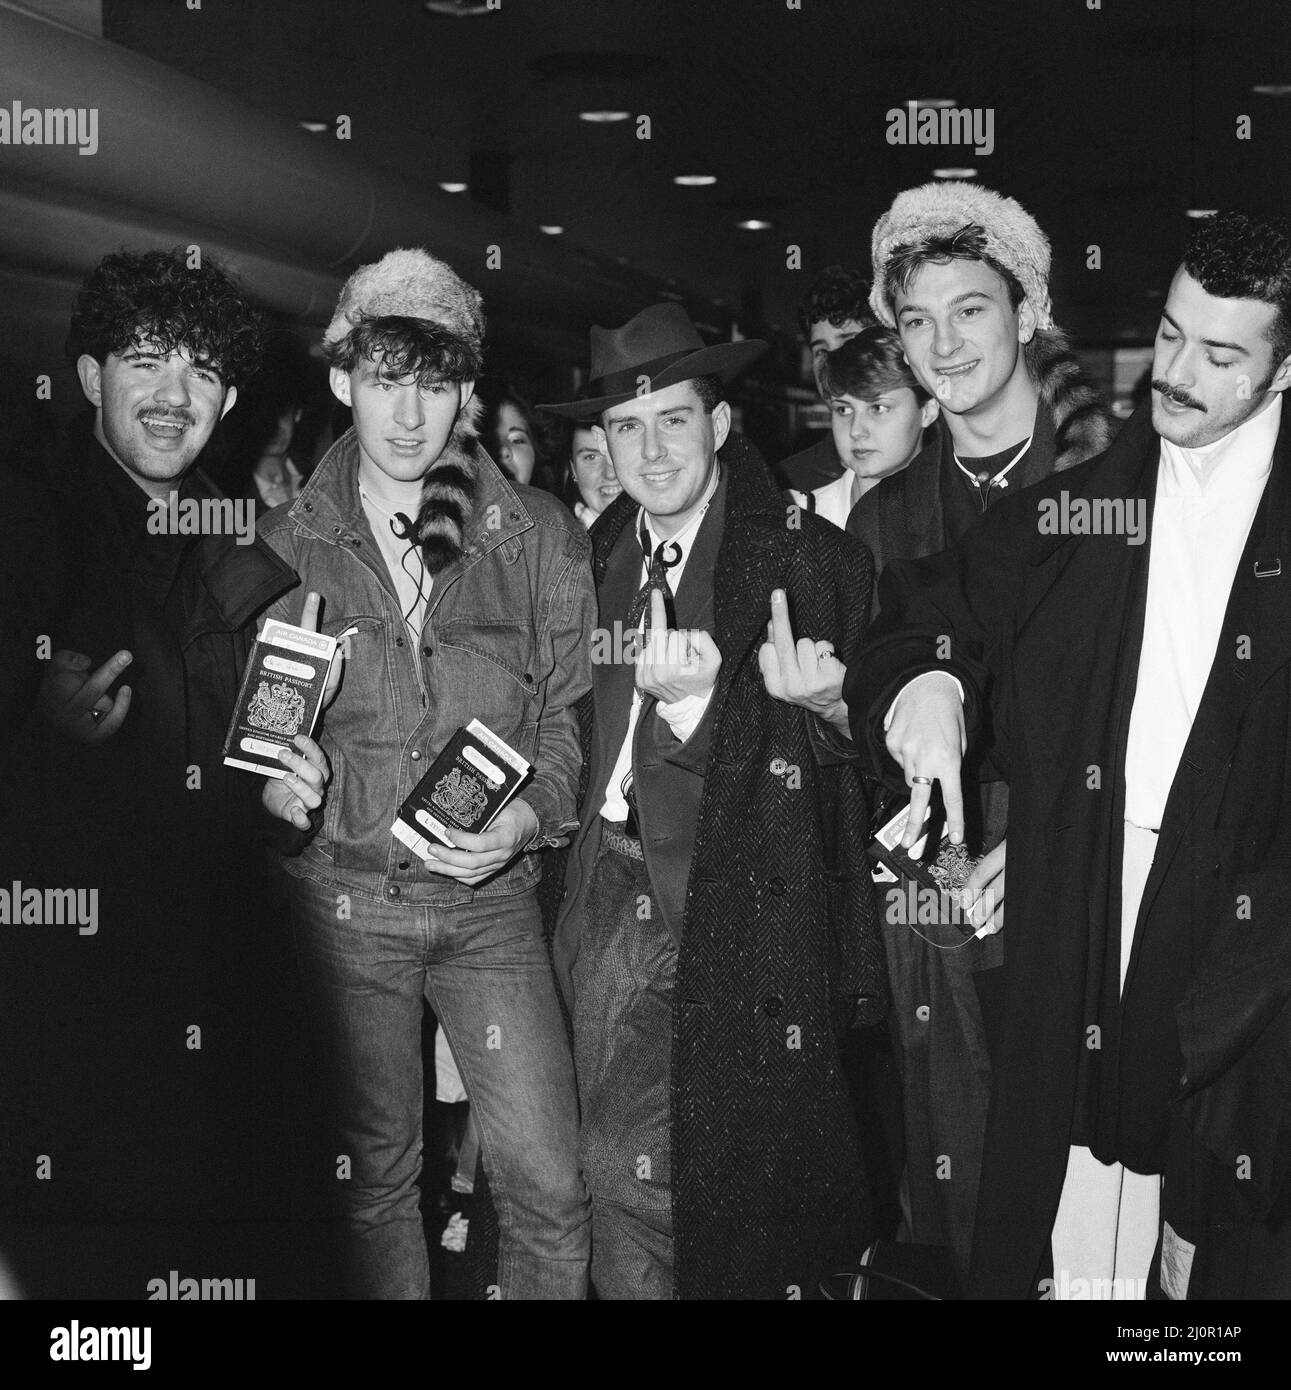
(917, 781)
(96, 714)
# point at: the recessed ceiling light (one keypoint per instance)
(753, 224)
(694, 180)
(459, 9)
(551, 229)
(954, 173)
(604, 117)
(314, 127)
(454, 187)
(1272, 89)
(1202, 212)
(933, 103)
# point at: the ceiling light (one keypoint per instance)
(694, 180)
(1202, 212)
(1272, 89)
(459, 9)
(604, 117)
(753, 224)
(314, 127)
(551, 229)
(953, 173)
(454, 187)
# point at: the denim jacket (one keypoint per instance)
(505, 641)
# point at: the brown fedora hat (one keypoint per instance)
(657, 348)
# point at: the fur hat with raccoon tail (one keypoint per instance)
(411, 283)
(940, 210)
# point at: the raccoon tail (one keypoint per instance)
(446, 499)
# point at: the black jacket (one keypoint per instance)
(171, 841)
(1188, 1073)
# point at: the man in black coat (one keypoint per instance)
(132, 1057)
(1138, 699)
(717, 931)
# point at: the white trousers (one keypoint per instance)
(1105, 1233)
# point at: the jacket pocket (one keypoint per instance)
(486, 671)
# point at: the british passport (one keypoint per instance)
(471, 780)
(282, 691)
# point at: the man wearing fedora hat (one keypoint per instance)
(717, 930)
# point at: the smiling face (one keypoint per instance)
(402, 427)
(594, 474)
(154, 411)
(1212, 364)
(961, 336)
(881, 435)
(664, 450)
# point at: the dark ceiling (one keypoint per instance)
(1109, 122)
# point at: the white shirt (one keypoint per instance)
(1206, 500)
(681, 716)
(412, 581)
(833, 500)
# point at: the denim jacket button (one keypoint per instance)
(415, 755)
(392, 891)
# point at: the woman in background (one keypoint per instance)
(510, 432)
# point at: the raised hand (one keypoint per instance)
(75, 701)
(805, 673)
(673, 665)
(309, 621)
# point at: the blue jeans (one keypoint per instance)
(485, 970)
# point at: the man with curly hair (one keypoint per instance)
(1118, 639)
(133, 1049)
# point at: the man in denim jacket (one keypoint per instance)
(460, 597)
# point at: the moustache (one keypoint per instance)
(183, 417)
(1177, 396)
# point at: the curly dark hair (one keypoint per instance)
(837, 295)
(1235, 256)
(132, 297)
(419, 348)
(967, 244)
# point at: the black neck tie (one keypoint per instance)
(666, 556)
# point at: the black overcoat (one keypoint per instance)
(1190, 1074)
(779, 948)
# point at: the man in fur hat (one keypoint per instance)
(1137, 695)
(462, 597)
(962, 273)
(717, 931)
